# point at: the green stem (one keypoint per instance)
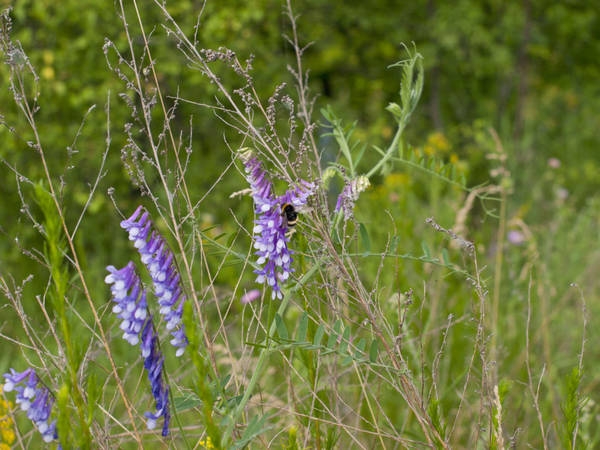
(388, 154)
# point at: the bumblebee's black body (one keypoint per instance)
(290, 217)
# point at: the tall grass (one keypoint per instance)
(402, 324)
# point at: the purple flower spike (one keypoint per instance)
(270, 226)
(159, 260)
(153, 363)
(33, 397)
(130, 300)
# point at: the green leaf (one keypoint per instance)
(395, 109)
(434, 409)
(64, 418)
(338, 326)
(282, 330)
(445, 257)
(345, 341)
(360, 349)
(373, 351)
(185, 402)
(359, 155)
(302, 328)
(93, 395)
(346, 361)
(319, 335)
(379, 150)
(426, 250)
(332, 339)
(364, 237)
(411, 87)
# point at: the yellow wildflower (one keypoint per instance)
(7, 426)
(207, 444)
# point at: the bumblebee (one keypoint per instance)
(290, 218)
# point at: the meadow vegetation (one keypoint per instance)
(299, 225)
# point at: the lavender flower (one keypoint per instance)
(34, 398)
(130, 300)
(153, 363)
(350, 193)
(250, 296)
(516, 237)
(159, 260)
(270, 227)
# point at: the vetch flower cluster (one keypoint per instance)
(159, 260)
(271, 242)
(34, 398)
(350, 193)
(130, 300)
(131, 306)
(153, 363)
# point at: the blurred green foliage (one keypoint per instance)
(529, 70)
(525, 69)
